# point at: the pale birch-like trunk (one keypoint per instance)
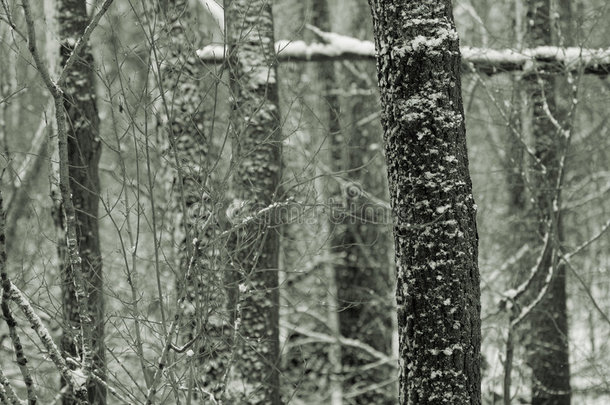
(183, 106)
(256, 145)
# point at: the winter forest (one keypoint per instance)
(305, 202)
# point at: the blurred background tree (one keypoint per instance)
(331, 334)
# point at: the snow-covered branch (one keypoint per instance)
(7, 394)
(489, 61)
(322, 337)
(216, 11)
(515, 293)
(45, 337)
(550, 58)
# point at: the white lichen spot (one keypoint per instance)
(443, 208)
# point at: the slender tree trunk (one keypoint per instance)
(256, 144)
(84, 150)
(517, 198)
(359, 246)
(548, 352)
(435, 234)
(328, 80)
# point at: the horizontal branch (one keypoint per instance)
(322, 337)
(335, 47)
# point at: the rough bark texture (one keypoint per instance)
(548, 354)
(438, 294)
(256, 142)
(187, 153)
(84, 150)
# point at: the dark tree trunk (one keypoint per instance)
(256, 144)
(548, 353)
(84, 149)
(435, 234)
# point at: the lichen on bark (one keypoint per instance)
(256, 146)
(183, 105)
(84, 150)
(438, 296)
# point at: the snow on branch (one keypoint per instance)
(322, 337)
(216, 11)
(7, 394)
(45, 337)
(333, 46)
(551, 58)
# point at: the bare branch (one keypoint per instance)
(514, 293)
(527, 309)
(566, 259)
(322, 337)
(82, 41)
(590, 241)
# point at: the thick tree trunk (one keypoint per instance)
(256, 139)
(435, 232)
(199, 280)
(84, 150)
(548, 352)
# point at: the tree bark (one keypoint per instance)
(435, 234)
(199, 285)
(84, 149)
(547, 343)
(256, 145)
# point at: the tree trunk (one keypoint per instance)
(548, 354)
(256, 145)
(84, 149)
(199, 279)
(359, 242)
(435, 234)
(328, 80)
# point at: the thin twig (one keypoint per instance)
(566, 259)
